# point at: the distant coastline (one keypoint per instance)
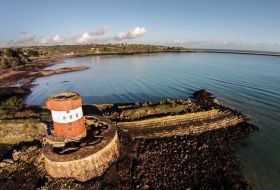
(44, 56)
(264, 53)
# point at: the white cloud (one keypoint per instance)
(58, 39)
(88, 38)
(136, 32)
(45, 41)
(93, 37)
(97, 36)
(27, 39)
(50, 40)
(24, 40)
(84, 38)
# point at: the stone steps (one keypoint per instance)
(185, 124)
(174, 120)
(189, 130)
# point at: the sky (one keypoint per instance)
(223, 24)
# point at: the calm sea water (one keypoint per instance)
(245, 82)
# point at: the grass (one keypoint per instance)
(154, 110)
(18, 130)
(14, 140)
(2, 112)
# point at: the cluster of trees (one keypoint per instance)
(58, 50)
(34, 52)
(12, 57)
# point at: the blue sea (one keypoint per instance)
(249, 83)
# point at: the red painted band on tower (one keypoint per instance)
(64, 105)
(70, 130)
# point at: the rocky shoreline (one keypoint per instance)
(204, 161)
(46, 73)
(23, 76)
(194, 161)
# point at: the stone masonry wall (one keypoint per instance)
(88, 167)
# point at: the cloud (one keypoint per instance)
(99, 31)
(58, 39)
(25, 40)
(33, 40)
(84, 38)
(97, 36)
(136, 32)
(87, 37)
(51, 40)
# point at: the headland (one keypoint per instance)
(170, 144)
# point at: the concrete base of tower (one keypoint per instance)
(86, 163)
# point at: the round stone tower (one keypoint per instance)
(92, 149)
(67, 115)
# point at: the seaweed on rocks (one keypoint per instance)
(17, 169)
(207, 100)
(204, 161)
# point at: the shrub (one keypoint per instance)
(2, 112)
(13, 104)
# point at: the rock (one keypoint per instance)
(16, 155)
(62, 70)
(146, 186)
(204, 98)
(10, 161)
(47, 72)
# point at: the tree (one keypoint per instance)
(13, 104)
(4, 62)
(33, 53)
(12, 57)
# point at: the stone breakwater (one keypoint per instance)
(185, 124)
(173, 117)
